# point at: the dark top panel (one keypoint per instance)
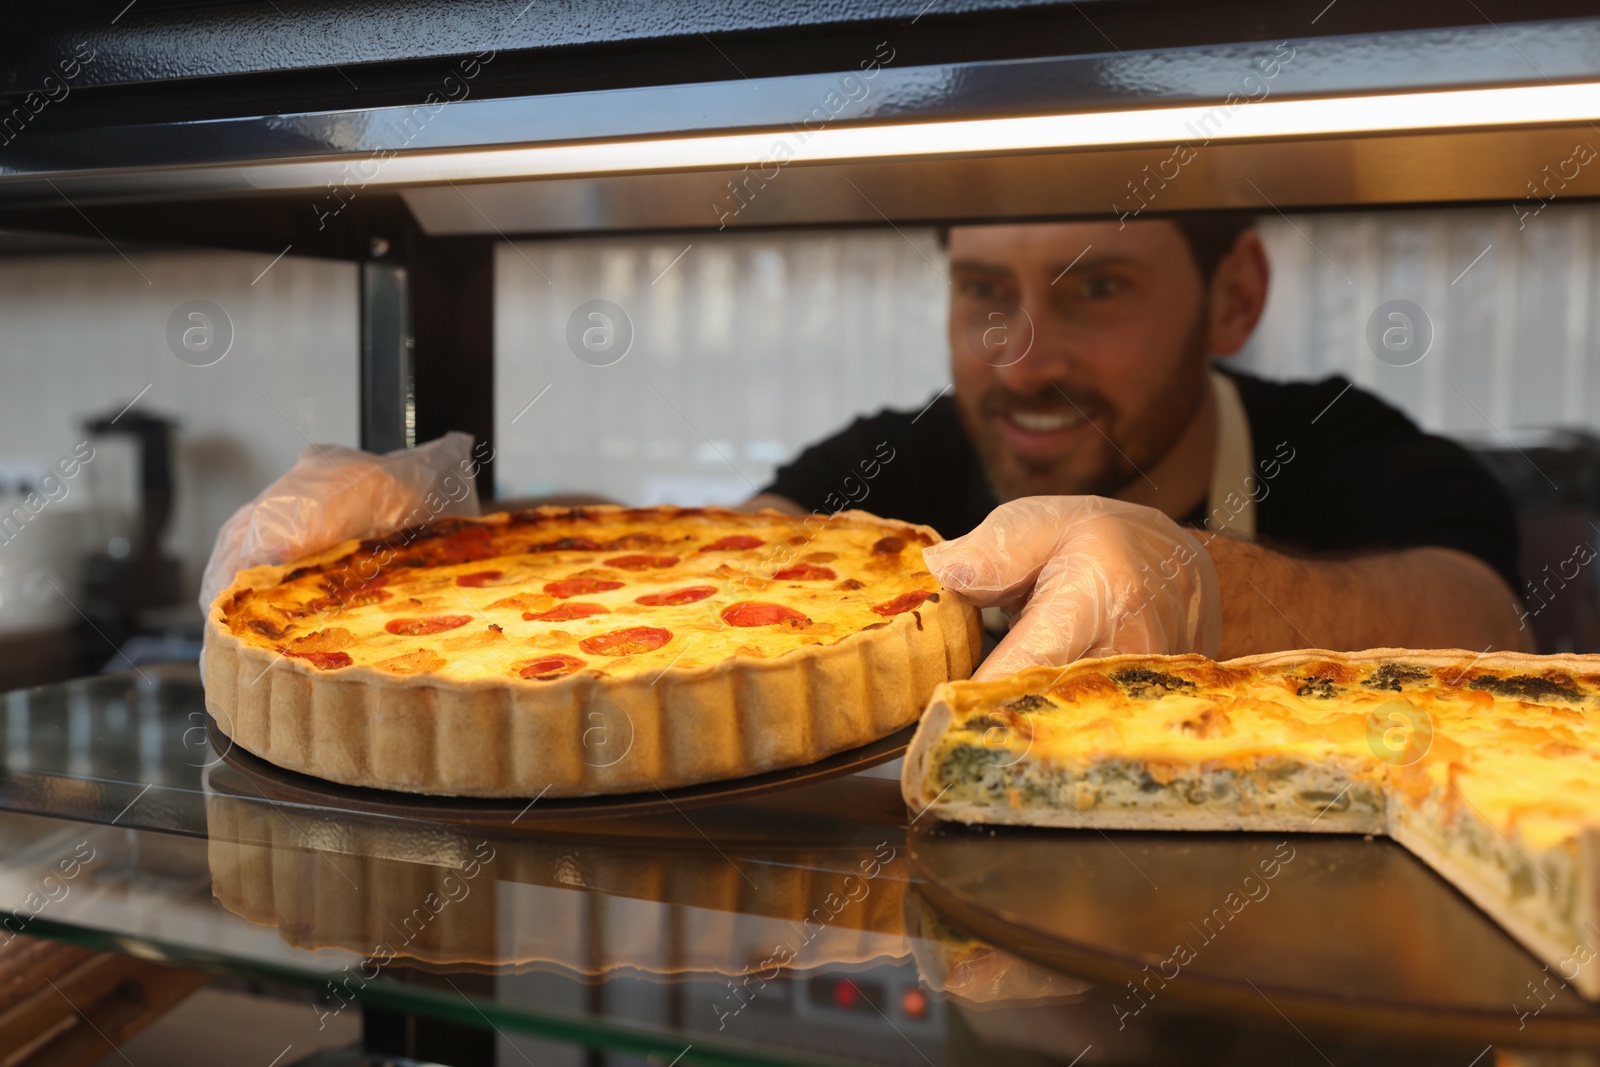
(78, 126)
(265, 56)
(178, 102)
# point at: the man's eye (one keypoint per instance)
(1100, 287)
(980, 290)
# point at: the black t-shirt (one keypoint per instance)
(1336, 470)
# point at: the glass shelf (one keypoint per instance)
(788, 929)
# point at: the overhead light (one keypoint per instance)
(1195, 125)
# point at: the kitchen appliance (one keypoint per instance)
(128, 572)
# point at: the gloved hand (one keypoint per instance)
(1084, 576)
(332, 494)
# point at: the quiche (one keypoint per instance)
(1487, 767)
(568, 652)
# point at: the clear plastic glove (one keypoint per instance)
(332, 494)
(1084, 576)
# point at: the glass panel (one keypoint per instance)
(783, 930)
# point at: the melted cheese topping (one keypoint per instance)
(1522, 751)
(546, 593)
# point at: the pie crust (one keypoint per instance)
(746, 700)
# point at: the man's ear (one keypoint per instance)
(1238, 293)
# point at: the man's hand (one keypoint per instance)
(332, 494)
(1084, 576)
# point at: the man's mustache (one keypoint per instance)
(998, 401)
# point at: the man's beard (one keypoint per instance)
(1126, 444)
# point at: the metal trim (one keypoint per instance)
(1456, 168)
(388, 402)
(234, 157)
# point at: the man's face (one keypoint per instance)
(1073, 380)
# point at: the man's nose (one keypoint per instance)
(1039, 347)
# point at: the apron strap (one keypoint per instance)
(1232, 474)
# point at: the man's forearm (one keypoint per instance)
(771, 500)
(1410, 598)
(553, 500)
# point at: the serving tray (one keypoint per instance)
(287, 785)
(1336, 933)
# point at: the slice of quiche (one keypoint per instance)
(1487, 767)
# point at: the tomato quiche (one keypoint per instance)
(1487, 767)
(568, 652)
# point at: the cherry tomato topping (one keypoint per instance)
(805, 572)
(566, 612)
(567, 544)
(349, 582)
(349, 600)
(467, 545)
(632, 540)
(733, 543)
(674, 597)
(760, 613)
(629, 642)
(640, 563)
(568, 587)
(546, 667)
(903, 602)
(431, 625)
(322, 661)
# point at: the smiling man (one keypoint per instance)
(1082, 365)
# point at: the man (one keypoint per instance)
(1116, 493)
(1081, 367)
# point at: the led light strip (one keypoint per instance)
(1194, 125)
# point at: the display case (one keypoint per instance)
(411, 139)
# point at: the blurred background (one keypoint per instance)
(745, 348)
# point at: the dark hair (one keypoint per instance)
(1209, 236)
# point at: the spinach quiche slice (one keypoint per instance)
(1487, 767)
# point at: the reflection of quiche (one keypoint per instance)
(957, 964)
(572, 652)
(1485, 766)
(457, 898)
